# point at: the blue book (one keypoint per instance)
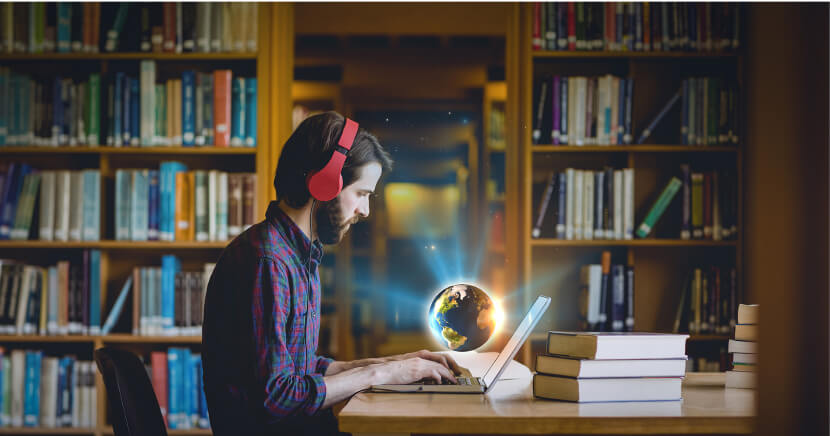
(187, 387)
(174, 379)
(135, 113)
(95, 292)
(207, 99)
(92, 205)
(237, 111)
(621, 113)
(195, 388)
(31, 397)
(653, 124)
(170, 265)
(618, 298)
(4, 112)
(188, 109)
(167, 223)
(11, 197)
(138, 203)
(59, 392)
(126, 112)
(153, 206)
(204, 417)
(250, 112)
(69, 401)
(64, 14)
(117, 307)
(118, 110)
(563, 111)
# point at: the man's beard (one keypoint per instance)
(330, 222)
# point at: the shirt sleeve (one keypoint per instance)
(322, 364)
(286, 392)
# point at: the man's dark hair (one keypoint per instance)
(309, 149)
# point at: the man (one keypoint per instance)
(262, 374)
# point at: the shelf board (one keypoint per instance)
(232, 56)
(130, 150)
(194, 431)
(645, 148)
(568, 54)
(116, 338)
(45, 430)
(550, 242)
(115, 245)
(46, 339)
(708, 337)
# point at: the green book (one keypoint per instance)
(697, 205)
(93, 111)
(161, 115)
(659, 207)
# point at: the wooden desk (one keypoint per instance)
(707, 408)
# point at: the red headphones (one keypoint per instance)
(325, 184)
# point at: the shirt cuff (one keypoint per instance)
(320, 397)
(323, 365)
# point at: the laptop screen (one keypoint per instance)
(519, 336)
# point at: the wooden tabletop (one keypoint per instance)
(707, 408)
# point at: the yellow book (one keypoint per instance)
(746, 332)
(184, 206)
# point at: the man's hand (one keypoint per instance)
(403, 371)
(443, 359)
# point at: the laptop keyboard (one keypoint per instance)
(468, 381)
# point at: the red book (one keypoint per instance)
(222, 108)
(571, 26)
(537, 26)
(169, 20)
(610, 26)
(158, 361)
(646, 27)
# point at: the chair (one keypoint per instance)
(135, 409)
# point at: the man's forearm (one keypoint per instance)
(339, 366)
(345, 383)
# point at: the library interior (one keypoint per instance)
(640, 164)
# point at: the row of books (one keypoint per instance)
(606, 296)
(709, 301)
(709, 111)
(197, 109)
(590, 367)
(128, 27)
(176, 375)
(56, 300)
(173, 204)
(587, 204)
(710, 204)
(46, 391)
(576, 110)
(632, 26)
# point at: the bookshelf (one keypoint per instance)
(272, 64)
(661, 261)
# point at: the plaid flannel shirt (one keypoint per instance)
(259, 341)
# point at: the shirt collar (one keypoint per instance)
(293, 234)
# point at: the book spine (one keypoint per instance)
(158, 362)
(148, 103)
(588, 204)
(563, 108)
(605, 292)
(135, 114)
(91, 205)
(540, 109)
(138, 203)
(659, 207)
(199, 110)
(543, 206)
(686, 227)
(237, 112)
(234, 205)
(618, 204)
(599, 186)
(201, 205)
(629, 298)
(648, 130)
(153, 205)
(222, 107)
(569, 205)
(207, 97)
(707, 205)
(618, 286)
(212, 203)
(222, 208)
(628, 203)
(561, 213)
(250, 109)
(188, 108)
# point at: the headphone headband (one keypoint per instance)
(325, 184)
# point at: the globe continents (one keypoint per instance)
(463, 317)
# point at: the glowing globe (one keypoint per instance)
(463, 317)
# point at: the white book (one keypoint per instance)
(588, 204)
(87, 393)
(588, 368)
(203, 22)
(18, 371)
(569, 203)
(579, 196)
(745, 358)
(607, 389)
(212, 205)
(23, 298)
(252, 26)
(591, 279)
(618, 206)
(76, 206)
(138, 202)
(628, 203)
(63, 185)
(48, 392)
(222, 209)
(148, 102)
(749, 313)
(613, 345)
(741, 379)
(47, 206)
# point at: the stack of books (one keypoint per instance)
(744, 348)
(599, 367)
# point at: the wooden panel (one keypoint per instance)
(786, 219)
(400, 19)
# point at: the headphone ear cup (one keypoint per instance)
(325, 184)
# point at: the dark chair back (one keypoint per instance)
(135, 409)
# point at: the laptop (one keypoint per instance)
(480, 385)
